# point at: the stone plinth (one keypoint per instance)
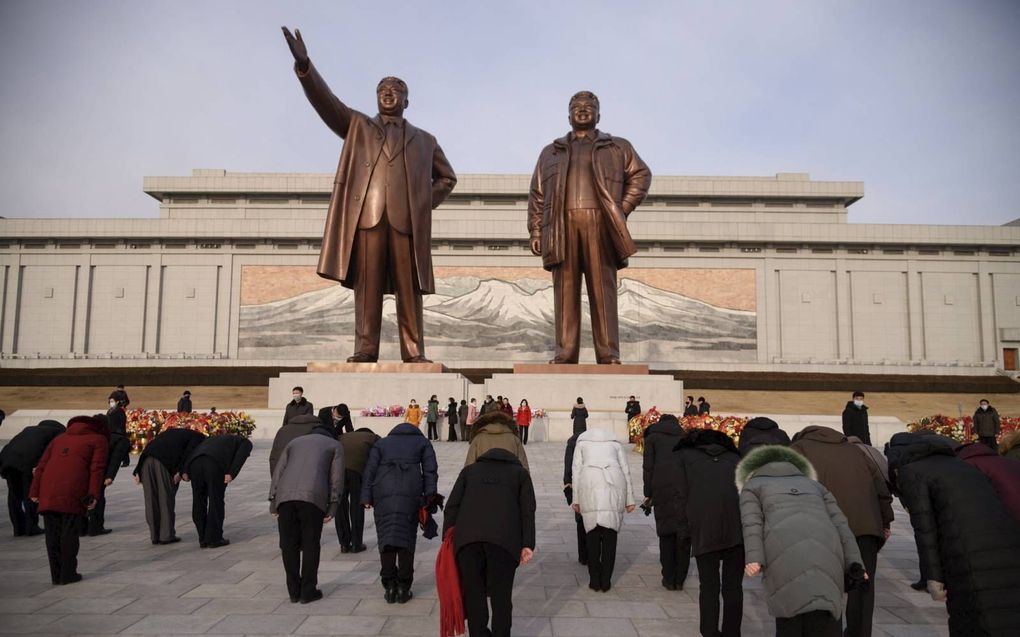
(385, 367)
(361, 389)
(580, 368)
(601, 391)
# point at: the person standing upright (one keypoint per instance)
(633, 408)
(987, 424)
(472, 413)
(159, 470)
(855, 418)
(401, 477)
(584, 187)
(298, 406)
(184, 404)
(413, 413)
(68, 482)
(451, 419)
(17, 460)
(704, 408)
(523, 418)
(579, 416)
(212, 466)
(462, 416)
(432, 417)
(488, 405)
(690, 409)
(303, 496)
(378, 233)
(350, 517)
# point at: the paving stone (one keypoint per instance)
(343, 625)
(162, 606)
(86, 606)
(173, 624)
(11, 623)
(83, 623)
(258, 624)
(589, 627)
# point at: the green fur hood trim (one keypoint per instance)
(769, 454)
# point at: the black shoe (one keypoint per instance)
(100, 532)
(294, 599)
(172, 540)
(218, 543)
(345, 548)
(594, 586)
(362, 358)
(35, 531)
(361, 548)
(314, 597)
(404, 594)
(583, 561)
(391, 595)
(919, 586)
(72, 579)
(606, 587)
(203, 545)
(668, 585)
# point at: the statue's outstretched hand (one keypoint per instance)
(297, 47)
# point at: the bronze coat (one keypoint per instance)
(430, 176)
(621, 179)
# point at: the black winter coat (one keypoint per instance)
(228, 452)
(116, 418)
(664, 478)
(304, 407)
(400, 475)
(708, 492)
(171, 448)
(26, 448)
(632, 409)
(761, 431)
(299, 426)
(451, 414)
(855, 422)
(184, 405)
(120, 449)
(580, 417)
(965, 538)
(493, 501)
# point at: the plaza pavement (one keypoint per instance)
(134, 588)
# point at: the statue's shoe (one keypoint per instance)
(362, 358)
(417, 359)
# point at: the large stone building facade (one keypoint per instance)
(732, 273)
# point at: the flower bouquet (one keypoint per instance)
(144, 425)
(380, 411)
(959, 429)
(729, 425)
(636, 428)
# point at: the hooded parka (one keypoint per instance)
(601, 480)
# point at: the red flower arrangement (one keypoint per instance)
(960, 429)
(144, 425)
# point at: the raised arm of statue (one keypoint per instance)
(333, 112)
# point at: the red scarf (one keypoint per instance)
(451, 603)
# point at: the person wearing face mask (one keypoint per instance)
(116, 418)
(298, 406)
(987, 424)
(413, 415)
(855, 419)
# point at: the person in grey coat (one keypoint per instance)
(297, 426)
(796, 536)
(303, 495)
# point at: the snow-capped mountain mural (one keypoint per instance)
(478, 320)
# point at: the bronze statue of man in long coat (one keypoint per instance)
(584, 187)
(378, 235)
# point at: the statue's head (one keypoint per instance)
(391, 94)
(583, 110)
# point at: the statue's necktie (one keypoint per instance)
(392, 145)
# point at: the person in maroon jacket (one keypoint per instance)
(67, 484)
(1004, 473)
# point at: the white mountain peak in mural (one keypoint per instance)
(499, 302)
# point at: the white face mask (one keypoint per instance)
(984, 407)
(113, 403)
(297, 397)
(859, 403)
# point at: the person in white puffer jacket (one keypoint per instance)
(601, 493)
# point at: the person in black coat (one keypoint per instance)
(967, 543)
(663, 479)
(704, 408)
(492, 511)
(119, 451)
(213, 465)
(159, 471)
(17, 459)
(633, 408)
(712, 504)
(451, 419)
(184, 404)
(298, 406)
(761, 431)
(690, 409)
(855, 418)
(568, 492)
(579, 416)
(401, 477)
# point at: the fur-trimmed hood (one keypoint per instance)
(785, 462)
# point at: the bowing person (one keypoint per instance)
(213, 465)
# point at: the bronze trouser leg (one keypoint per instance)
(586, 253)
(382, 252)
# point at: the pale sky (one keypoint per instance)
(918, 99)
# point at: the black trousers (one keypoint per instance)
(817, 623)
(860, 606)
(300, 526)
(453, 433)
(582, 539)
(397, 566)
(208, 491)
(62, 545)
(350, 517)
(524, 434)
(433, 432)
(731, 586)
(24, 513)
(675, 558)
(987, 440)
(95, 520)
(601, 557)
(487, 573)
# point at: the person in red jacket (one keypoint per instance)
(68, 483)
(524, 420)
(1003, 473)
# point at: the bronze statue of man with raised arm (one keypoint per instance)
(378, 235)
(584, 187)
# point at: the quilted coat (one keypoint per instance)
(72, 468)
(601, 480)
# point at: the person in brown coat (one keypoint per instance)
(495, 430)
(378, 234)
(350, 517)
(863, 497)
